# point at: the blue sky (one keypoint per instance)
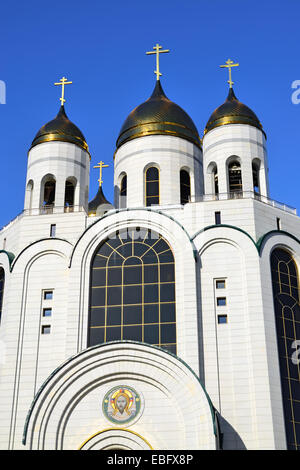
(101, 47)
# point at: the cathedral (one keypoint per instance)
(168, 318)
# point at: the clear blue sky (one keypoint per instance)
(101, 45)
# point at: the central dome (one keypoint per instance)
(158, 115)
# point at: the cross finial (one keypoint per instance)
(63, 81)
(229, 64)
(100, 165)
(157, 50)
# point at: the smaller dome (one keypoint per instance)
(99, 204)
(61, 129)
(158, 115)
(232, 112)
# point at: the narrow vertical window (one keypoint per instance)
(2, 279)
(28, 195)
(278, 222)
(216, 181)
(185, 187)
(123, 192)
(255, 176)
(217, 218)
(152, 186)
(213, 180)
(69, 196)
(52, 230)
(285, 282)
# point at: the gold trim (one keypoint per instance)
(160, 132)
(61, 138)
(157, 123)
(224, 123)
(116, 429)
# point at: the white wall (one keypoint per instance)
(170, 155)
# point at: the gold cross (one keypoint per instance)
(229, 65)
(157, 51)
(100, 165)
(63, 82)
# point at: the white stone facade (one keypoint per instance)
(52, 386)
(240, 142)
(169, 155)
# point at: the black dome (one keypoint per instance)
(98, 200)
(158, 115)
(232, 112)
(60, 129)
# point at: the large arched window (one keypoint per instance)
(2, 279)
(235, 178)
(152, 186)
(287, 312)
(123, 191)
(133, 290)
(185, 187)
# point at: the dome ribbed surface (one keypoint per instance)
(98, 201)
(60, 129)
(232, 112)
(158, 115)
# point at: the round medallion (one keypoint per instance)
(121, 404)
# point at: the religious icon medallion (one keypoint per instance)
(121, 404)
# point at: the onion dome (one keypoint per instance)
(60, 129)
(232, 112)
(99, 204)
(158, 115)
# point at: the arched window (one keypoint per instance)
(152, 186)
(133, 290)
(287, 314)
(185, 187)
(69, 195)
(235, 178)
(255, 176)
(123, 192)
(28, 195)
(48, 194)
(215, 180)
(2, 279)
